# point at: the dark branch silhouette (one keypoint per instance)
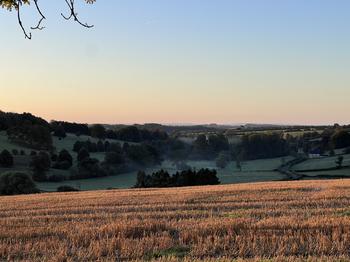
(73, 14)
(39, 27)
(29, 36)
(17, 4)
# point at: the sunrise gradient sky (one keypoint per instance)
(182, 61)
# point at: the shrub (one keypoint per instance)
(14, 183)
(66, 189)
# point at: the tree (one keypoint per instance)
(14, 183)
(222, 160)
(341, 139)
(114, 158)
(98, 131)
(339, 162)
(18, 4)
(40, 164)
(6, 159)
(64, 160)
(83, 154)
(59, 132)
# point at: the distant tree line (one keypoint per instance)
(209, 147)
(263, 145)
(180, 179)
(128, 133)
(27, 130)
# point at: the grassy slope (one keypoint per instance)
(285, 220)
(321, 163)
(253, 171)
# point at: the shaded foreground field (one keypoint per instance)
(276, 220)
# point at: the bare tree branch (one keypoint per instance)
(73, 14)
(18, 5)
(39, 27)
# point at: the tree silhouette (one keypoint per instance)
(17, 5)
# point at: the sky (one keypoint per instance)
(181, 61)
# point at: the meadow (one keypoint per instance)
(274, 221)
(260, 170)
(322, 163)
(252, 171)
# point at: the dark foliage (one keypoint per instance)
(209, 148)
(40, 164)
(66, 189)
(257, 146)
(134, 134)
(341, 139)
(14, 183)
(6, 159)
(185, 178)
(59, 131)
(74, 128)
(98, 131)
(64, 160)
(89, 168)
(83, 154)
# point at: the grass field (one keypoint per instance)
(321, 163)
(252, 171)
(6, 144)
(282, 221)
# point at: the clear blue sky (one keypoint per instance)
(183, 61)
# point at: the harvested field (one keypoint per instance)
(283, 221)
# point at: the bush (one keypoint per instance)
(67, 189)
(16, 183)
(6, 159)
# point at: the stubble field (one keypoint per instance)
(282, 221)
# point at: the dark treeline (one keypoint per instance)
(185, 178)
(256, 146)
(127, 133)
(208, 147)
(27, 130)
(67, 127)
